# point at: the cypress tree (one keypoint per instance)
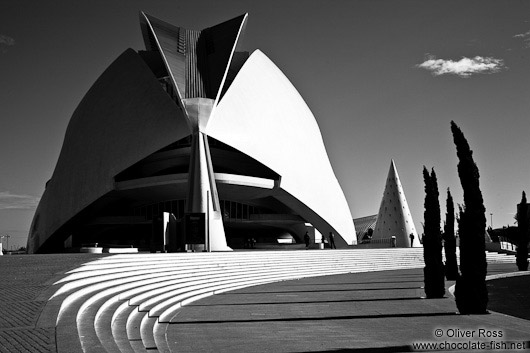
(471, 294)
(433, 272)
(451, 267)
(522, 236)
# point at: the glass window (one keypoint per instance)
(231, 209)
(239, 211)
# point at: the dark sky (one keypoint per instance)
(383, 79)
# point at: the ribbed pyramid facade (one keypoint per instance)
(394, 218)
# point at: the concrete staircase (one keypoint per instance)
(124, 303)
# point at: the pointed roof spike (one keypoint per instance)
(397, 219)
(197, 61)
(219, 33)
(206, 58)
(163, 37)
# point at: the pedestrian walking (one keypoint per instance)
(332, 241)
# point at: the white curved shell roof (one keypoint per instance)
(263, 116)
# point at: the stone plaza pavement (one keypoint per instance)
(366, 312)
(25, 281)
(363, 312)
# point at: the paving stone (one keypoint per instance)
(27, 340)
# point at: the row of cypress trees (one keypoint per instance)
(471, 294)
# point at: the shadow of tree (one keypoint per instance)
(311, 302)
(325, 318)
(388, 349)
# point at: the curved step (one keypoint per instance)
(123, 303)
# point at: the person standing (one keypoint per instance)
(306, 239)
(332, 241)
(411, 239)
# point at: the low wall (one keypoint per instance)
(372, 246)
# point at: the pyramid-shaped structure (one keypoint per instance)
(394, 218)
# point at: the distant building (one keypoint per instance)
(193, 128)
(365, 227)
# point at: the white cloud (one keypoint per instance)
(522, 35)
(526, 38)
(464, 67)
(9, 201)
(5, 41)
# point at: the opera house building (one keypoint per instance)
(190, 144)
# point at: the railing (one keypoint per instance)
(377, 241)
(507, 244)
